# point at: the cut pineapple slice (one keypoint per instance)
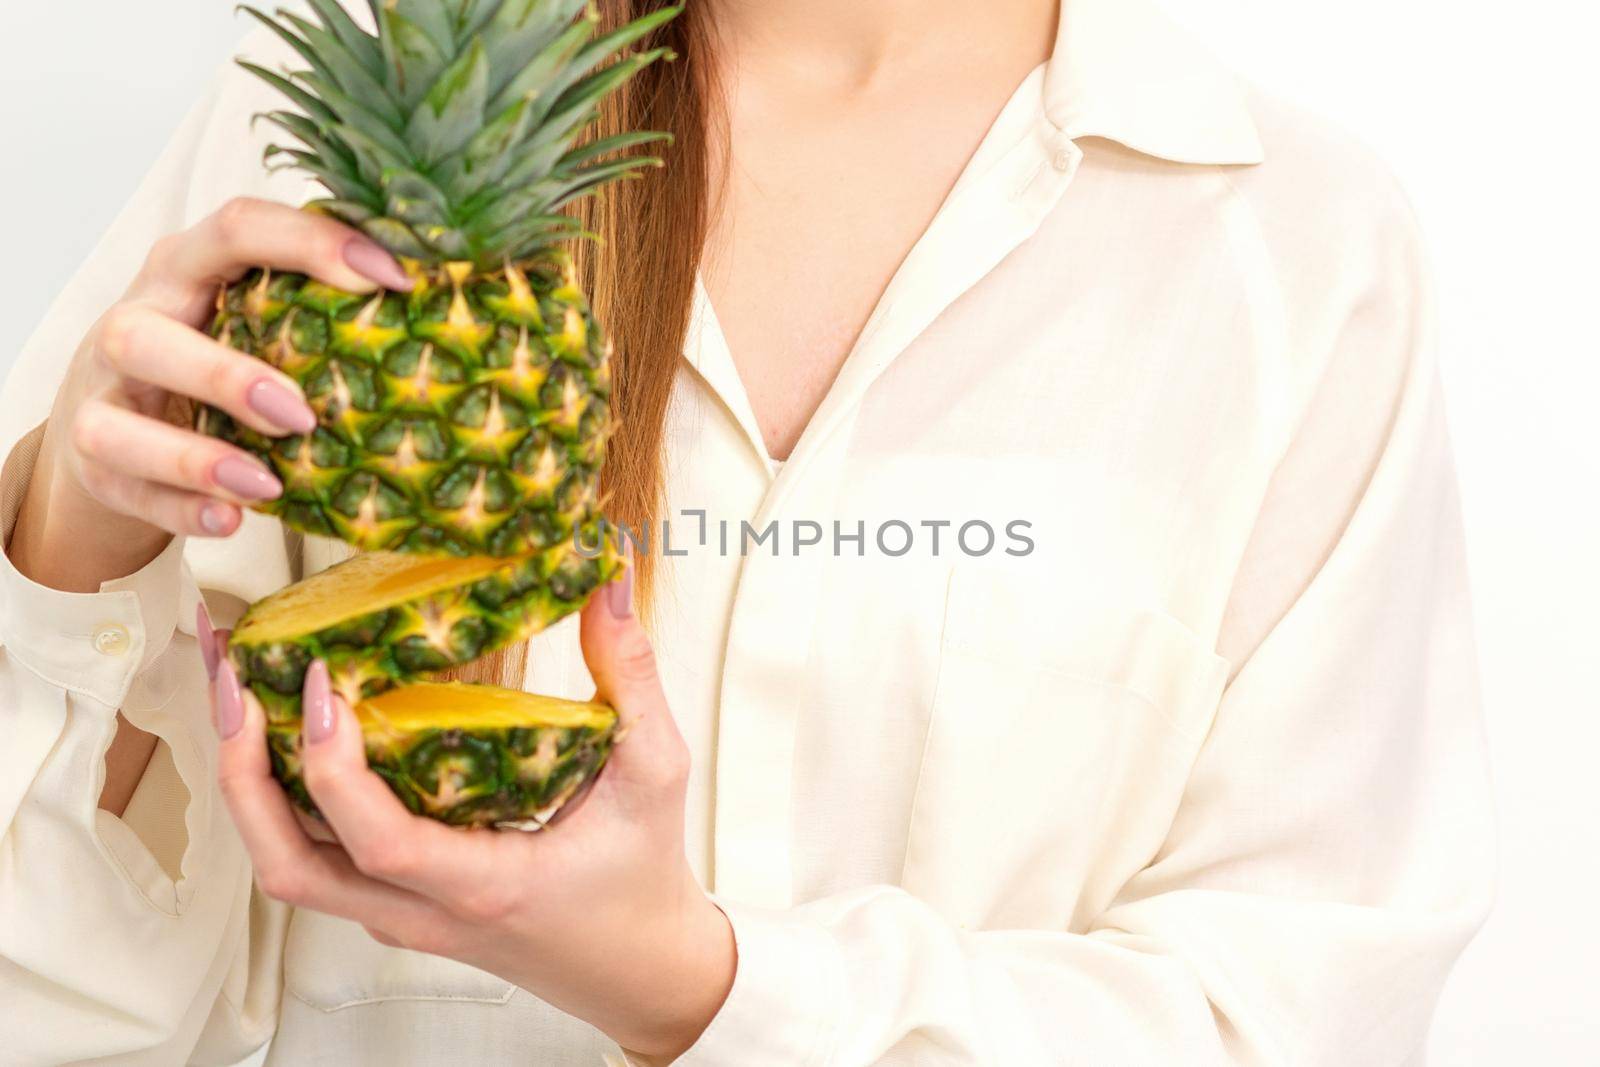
(452, 705)
(385, 618)
(470, 755)
(360, 586)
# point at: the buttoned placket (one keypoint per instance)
(997, 204)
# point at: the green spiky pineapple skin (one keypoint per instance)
(467, 417)
(523, 777)
(371, 653)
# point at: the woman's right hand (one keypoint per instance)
(115, 479)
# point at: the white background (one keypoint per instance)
(1487, 111)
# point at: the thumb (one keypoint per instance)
(623, 664)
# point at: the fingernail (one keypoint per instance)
(317, 704)
(619, 591)
(373, 261)
(214, 519)
(246, 479)
(207, 636)
(281, 406)
(227, 699)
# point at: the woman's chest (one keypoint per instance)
(818, 205)
(962, 643)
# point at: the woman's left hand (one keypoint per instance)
(601, 917)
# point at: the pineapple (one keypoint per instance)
(449, 420)
(461, 425)
(471, 755)
(385, 621)
(469, 415)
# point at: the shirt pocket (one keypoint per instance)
(332, 963)
(1061, 736)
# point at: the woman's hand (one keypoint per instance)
(600, 917)
(115, 479)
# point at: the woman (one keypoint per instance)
(1060, 646)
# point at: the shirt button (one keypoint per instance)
(1062, 160)
(112, 640)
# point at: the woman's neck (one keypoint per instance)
(851, 44)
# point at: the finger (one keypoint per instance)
(618, 652)
(149, 449)
(384, 840)
(141, 343)
(207, 636)
(623, 664)
(289, 865)
(174, 510)
(185, 269)
(213, 641)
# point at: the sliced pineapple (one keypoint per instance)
(471, 755)
(383, 618)
(461, 425)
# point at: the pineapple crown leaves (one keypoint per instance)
(453, 132)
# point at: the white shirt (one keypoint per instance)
(1186, 767)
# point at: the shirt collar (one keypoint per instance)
(1123, 70)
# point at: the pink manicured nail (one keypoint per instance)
(373, 261)
(246, 479)
(281, 406)
(619, 591)
(227, 700)
(207, 636)
(215, 519)
(317, 704)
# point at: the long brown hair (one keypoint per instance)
(641, 275)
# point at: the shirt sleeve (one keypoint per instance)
(133, 939)
(115, 933)
(1332, 853)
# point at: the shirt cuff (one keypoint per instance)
(89, 643)
(785, 1002)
